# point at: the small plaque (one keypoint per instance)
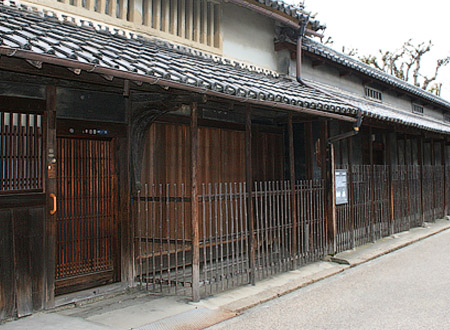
(341, 191)
(51, 171)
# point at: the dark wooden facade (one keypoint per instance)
(77, 140)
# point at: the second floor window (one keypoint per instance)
(373, 94)
(417, 108)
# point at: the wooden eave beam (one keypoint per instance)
(344, 73)
(316, 63)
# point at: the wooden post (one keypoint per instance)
(249, 179)
(293, 190)
(420, 160)
(309, 150)
(194, 206)
(391, 186)
(332, 226)
(372, 183)
(50, 187)
(408, 194)
(351, 190)
(433, 163)
(443, 161)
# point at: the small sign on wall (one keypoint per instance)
(341, 191)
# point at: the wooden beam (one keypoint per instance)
(249, 180)
(194, 206)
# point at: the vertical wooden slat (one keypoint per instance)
(216, 23)
(101, 6)
(194, 205)
(165, 15)
(210, 18)
(174, 12)
(189, 33)
(147, 12)
(204, 22)
(249, 179)
(181, 18)
(196, 23)
(157, 14)
(90, 5)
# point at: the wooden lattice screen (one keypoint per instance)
(20, 152)
(86, 212)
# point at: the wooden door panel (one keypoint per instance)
(86, 216)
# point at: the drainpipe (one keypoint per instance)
(354, 131)
(301, 33)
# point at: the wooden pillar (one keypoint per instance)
(433, 163)
(420, 160)
(351, 189)
(408, 194)
(249, 180)
(50, 188)
(293, 190)
(194, 206)
(331, 223)
(309, 150)
(372, 184)
(125, 212)
(391, 186)
(443, 161)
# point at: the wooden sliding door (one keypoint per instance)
(86, 248)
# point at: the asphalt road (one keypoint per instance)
(406, 289)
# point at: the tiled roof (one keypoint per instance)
(84, 41)
(384, 111)
(297, 12)
(347, 61)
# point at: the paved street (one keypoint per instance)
(407, 289)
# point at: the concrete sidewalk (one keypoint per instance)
(135, 310)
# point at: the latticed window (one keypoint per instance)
(373, 94)
(447, 117)
(417, 108)
(20, 152)
(197, 21)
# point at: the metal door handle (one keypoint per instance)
(53, 197)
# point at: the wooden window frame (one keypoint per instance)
(417, 108)
(373, 94)
(24, 106)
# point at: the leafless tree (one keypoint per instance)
(404, 63)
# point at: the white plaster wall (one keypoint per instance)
(330, 75)
(248, 37)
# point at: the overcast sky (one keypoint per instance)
(387, 24)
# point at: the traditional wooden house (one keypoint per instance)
(190, 146)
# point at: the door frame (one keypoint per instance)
(118, 133)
